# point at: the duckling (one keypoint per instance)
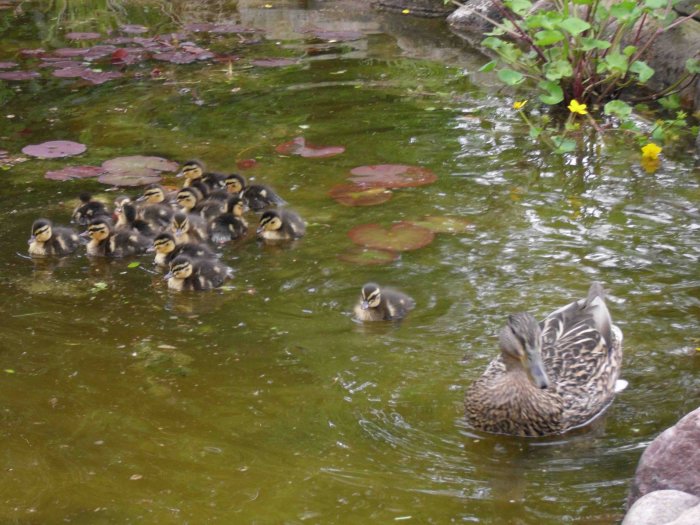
(47, 239)
(166, 249)
(127, 219)
(188, 228)
(187, 273)
(193, 170)
(106, 242)
(189, 199)
(280, 225)
(155, 194)
(256, 196)
(88, 209)
(155, 207)
(230, 225)
(383, 304)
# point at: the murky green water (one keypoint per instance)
(265, 402)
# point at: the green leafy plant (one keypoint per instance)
(584, 53)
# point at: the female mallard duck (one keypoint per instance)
(230, 225)
(280, 225)
(383, 304)
(187, 273)
(551, 376)
(193, 170)
(48, 239)
(166, 249)
(256, 196)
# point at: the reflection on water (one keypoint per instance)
(264, 402)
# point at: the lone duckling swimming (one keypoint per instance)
(187, 273)
(551, 376)
(47, 239)
(382, 304)
(280, 225)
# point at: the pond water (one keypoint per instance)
(264, 402)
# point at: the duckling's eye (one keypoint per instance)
(39, 231)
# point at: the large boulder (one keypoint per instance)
(664, 507)
(672, 461)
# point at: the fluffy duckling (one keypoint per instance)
(383, 304)
(230, 225)
(127, 219)
(193, 170)
(106, 242)
(256, 196)
(155, 194)
(47, 239)
(155, 207)
(166, 249)
(189, 199)
(280, 225)
(188, 228)
(89, 209)
(187, 273)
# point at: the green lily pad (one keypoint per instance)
(444, 224)
(138, 162)
(354, 195)
(367, 256)
(392, 176)
(402, 236)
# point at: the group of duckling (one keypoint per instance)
(550, 377)
(180, 226)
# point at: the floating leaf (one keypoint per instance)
(74, 71)
(274, 62)
(74, 172)
(70, 52)
(140, 161)
(402, 236)
(133, 29)
(100, 77)
(245, 164)
(299, 146)
(8, 65)
(134, 264)
(59, 63)
(392, 176)
(54, 149)
(76, 35)
(130, 177)
(354, 195)
(127, 56)
(176, 57)
(97, 52)
(367, 256)
(444, 224)
(18, 75)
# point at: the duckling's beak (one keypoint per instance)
(364, 305)
(535, 368)
(85, 234)
(31, 239)
(140, 199)
(180, 174)
(150, 249)
(168, 276)
(259, 230)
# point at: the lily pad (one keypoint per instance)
(18, 75)
(299, 146)
(402, 236)
(392, 176)
(54, 149)
(59, 63)
(73, 71)
(176, 57)
(100, 77)
(133, 29)
(366, 256)
(274, 62)
(75, 172)
(127, 56)
(77, 35)
(130, 177)
(138, 162)
(97, 52)
(68, 52)
(444, 224)
(354, 195)
(8, 65)
(246, 164)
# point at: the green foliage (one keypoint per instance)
(583, 53)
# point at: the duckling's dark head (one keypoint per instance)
(370, 296)
(41, 231)
(188, 198)
(180, 267)
(192, 169)
(521, 346)
(88, 210)
(235, 183)
(164, 243)
(181, 223)
(271, 220)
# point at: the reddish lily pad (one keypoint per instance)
(100, 77)
(299, 146)
(127, 56)
(402, 236)
(54, 149)
(176, 57)
(97, 52)
(130, 177)
(32, 52)
(77, 35)
(18, 75)
(8, 65)
(133, 29)
(138, 162)
(69, 52)
(366, 256)
(392, 176)
(59, 64)
(246, 164)
(73, 71)
(274, 62)
(75, 172)
(353, 195)
(444, 224)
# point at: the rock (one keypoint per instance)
(662, 507)
(687, 8)
(467, 22)
(427, 8)
(672, 461)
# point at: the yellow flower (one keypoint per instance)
(650, 165)
(651, 151)
(575, 107)
(406, 11)
(518, 104)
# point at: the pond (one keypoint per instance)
(264, 402)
